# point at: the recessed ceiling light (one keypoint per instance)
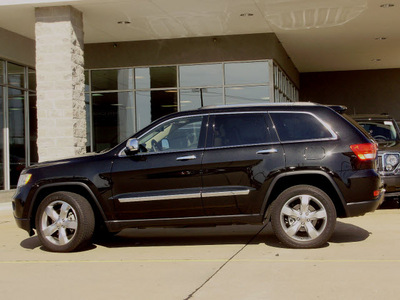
(376, 59)
(247, 15)
(124, 22)
(387, 5)
(380, 38)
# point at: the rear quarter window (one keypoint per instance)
(298, 126)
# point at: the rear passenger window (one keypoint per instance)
(241, 129)
(299, 126)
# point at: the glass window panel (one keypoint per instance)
(240, 129)
(32, 79)
(33, 129)
(163, 103)
(113, 118)
(152, 105)
(200, 75)
(247, 73)
(191, 98)
(143, 109)
(16, 134)
(381, 130)
(1, 138)
(142, 78)
(112, 80)
(299, 126)
(156, 77)
(174, 135)
(2, 72)
(250, 94)
(16, 75)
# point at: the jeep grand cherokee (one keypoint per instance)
(297, 165)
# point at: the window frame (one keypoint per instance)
(202, 136)
(267, 120)
(333, 137)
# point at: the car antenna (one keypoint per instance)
(201, 97)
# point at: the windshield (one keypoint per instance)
(380, 130)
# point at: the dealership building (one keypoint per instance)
(84, 75)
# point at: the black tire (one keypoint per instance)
(65, 222)
(307, 226)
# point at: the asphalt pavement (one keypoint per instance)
(361, 261)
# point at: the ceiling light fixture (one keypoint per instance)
(376, 59)
(387, 5)
(124, 22)
(380, 38)
(247, 15)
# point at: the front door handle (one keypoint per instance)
(267, 151)
(188, 157)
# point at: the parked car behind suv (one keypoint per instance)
(384, 129)
(298, 165)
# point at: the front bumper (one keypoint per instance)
(24, 224)
(392, 185)
(21, 210)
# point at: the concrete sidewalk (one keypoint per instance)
(6, 196)
(361, 261)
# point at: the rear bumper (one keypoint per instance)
(355, 209)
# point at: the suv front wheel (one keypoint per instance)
(65, 222)
(303, 216)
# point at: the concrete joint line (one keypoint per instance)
(224, 264)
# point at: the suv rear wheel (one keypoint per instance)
(303, 216)
(65, 222)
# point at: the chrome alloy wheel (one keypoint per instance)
(303, 218)
(59, 223)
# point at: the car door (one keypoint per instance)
(241, 154)
(163, 179)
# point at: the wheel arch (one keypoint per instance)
(317, 179)
(74, 187)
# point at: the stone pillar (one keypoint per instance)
(60, 82)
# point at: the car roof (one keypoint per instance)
(228, 108)
(372, 117)
(262, 104)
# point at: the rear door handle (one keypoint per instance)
(188, 157)
(267, 151)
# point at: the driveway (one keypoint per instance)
(361, 261)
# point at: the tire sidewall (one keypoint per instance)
(294, 191)
(85, 221)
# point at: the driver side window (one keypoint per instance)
(173, 135)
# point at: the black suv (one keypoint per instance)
(298, 165)
(384, 129)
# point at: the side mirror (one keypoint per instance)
(132, 146)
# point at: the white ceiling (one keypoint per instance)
(319, 35)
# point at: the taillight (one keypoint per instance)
(365, 151)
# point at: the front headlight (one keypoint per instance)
(23, 179)
(391, 162)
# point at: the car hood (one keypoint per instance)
(76, 159)
(389, 146)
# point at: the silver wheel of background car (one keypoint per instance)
(303, 216)
(65, 221)
(59, 223)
